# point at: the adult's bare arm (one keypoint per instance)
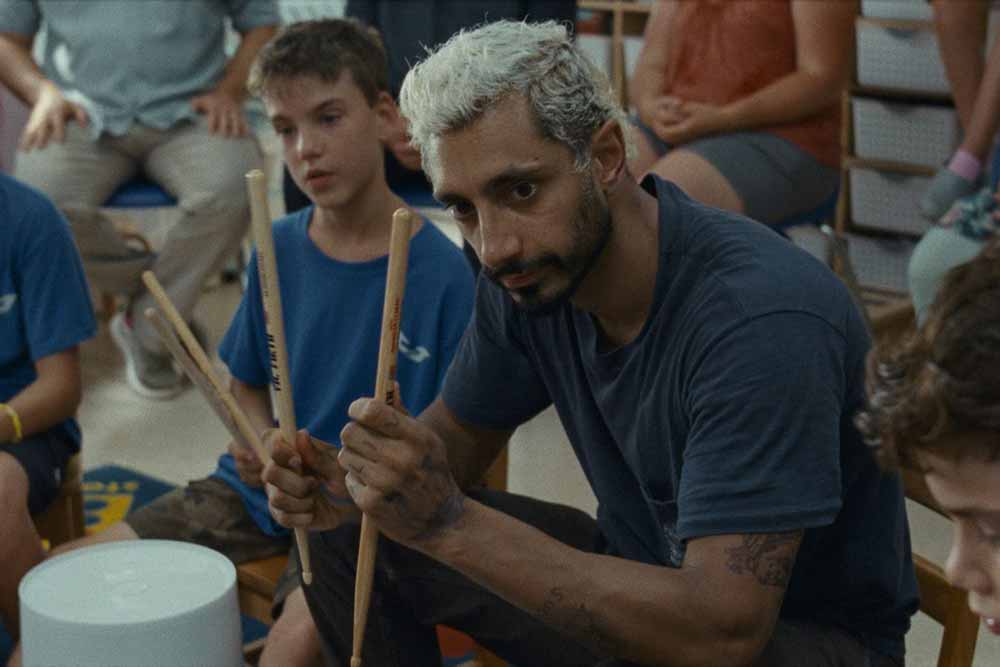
(650, 77)
(823, 46)
(18, 71)
(961, 30)
(719, 608)
(49, 109)
(223, 105)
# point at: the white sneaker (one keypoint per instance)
(149, 374)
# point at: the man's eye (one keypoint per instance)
(988, 534)
(523, 191)
(283, 131)
(461, 210)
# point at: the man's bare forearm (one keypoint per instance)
(653, 615)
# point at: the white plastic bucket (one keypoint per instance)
(145, 603)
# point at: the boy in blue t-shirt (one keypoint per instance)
(45, 313)
(324, 86)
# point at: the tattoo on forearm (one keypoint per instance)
(767, 556)
(577, 621)
(446, 514)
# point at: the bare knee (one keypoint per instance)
(295, 618)
(15, 657)
(293, 640)
(699, 179)
(118, 532)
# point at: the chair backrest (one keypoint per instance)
(943, 602)
(63, 520)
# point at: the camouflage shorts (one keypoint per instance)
(211, 513)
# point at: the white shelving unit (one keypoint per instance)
(899, 127)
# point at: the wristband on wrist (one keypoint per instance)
(15, 419)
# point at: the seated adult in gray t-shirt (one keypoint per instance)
(122, 89)
(134, 62)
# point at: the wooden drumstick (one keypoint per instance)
(245, 434)
(385, 376)
(267, 269)
(204, 385)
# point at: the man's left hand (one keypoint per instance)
(224, 113)
(398, 473)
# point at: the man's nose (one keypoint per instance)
(498, 242)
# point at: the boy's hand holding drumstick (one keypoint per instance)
(307, 487)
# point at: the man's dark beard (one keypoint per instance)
(590, 236)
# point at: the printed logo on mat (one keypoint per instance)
(107, 503)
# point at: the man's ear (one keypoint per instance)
(607, 149)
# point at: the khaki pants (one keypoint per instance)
(203, 171)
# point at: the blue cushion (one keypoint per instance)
(140, 193)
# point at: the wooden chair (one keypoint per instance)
(63, 521)
(256, 582)
(135, 194)
(940, 600)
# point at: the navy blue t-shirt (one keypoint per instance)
(730, 413)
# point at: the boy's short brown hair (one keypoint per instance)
(323, 49)
(944, 380)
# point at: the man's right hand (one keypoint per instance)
(48, 118)
(305, 484)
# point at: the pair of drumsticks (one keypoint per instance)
(184, 347)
